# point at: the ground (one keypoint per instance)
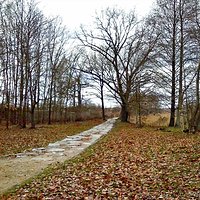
(128, 163)
(15, 139)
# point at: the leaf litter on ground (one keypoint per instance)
(128, 163)
(15, 139)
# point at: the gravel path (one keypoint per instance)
(14, 171)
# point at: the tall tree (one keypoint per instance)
(194, 33)
(94, 67)
(55, 43)
(125, 46)
(173, 47)
(166, 12)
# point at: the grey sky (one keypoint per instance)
(76, 12)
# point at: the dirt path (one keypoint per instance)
(14, 171)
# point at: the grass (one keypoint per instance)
(128, 163)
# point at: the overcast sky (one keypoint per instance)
(76, 12)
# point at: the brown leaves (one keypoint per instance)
(17, 140)
(128, 163)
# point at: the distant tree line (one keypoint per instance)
(132, 60)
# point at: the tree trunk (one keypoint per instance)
(74, 95)
(124, 113)
(50, 99)
(43, 110)
(138, 106)
(103, 110)
(50, 106)
(21, 96)
(79, 92)
(33, 116)
(173, 109)
(102, 100)
(7, 113)
(24, 116)
(179, 119)
(173, 87)
(195, 120)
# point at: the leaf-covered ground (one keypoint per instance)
(128, 163)
(16, 140)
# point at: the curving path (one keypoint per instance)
(14, 171)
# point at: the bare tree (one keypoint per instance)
(195, 37)
(6, 45)
(31, 53)
(35, 53)
(94, 67)
(173, 61)
(56, 43)
(166, 12)
(125, 46)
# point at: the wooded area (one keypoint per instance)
(44, 68)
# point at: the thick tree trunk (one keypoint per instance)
(124, 113)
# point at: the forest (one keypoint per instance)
(44, 68)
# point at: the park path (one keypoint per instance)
(14, 171)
